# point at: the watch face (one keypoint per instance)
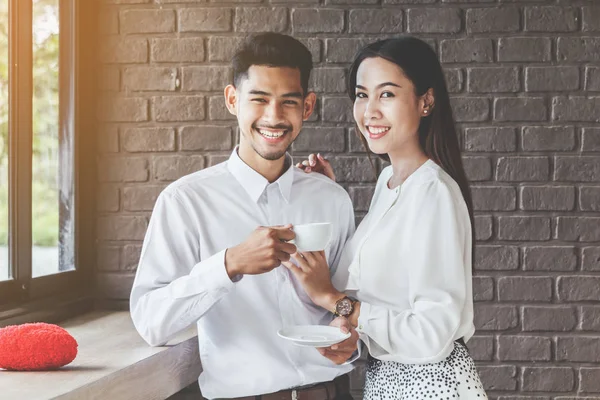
(344, 307)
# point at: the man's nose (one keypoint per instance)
(274, 113)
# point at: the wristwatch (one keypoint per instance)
(344, 307)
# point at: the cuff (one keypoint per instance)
(363, 318)
(356, 355)
(206, 276)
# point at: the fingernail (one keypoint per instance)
(344, 329)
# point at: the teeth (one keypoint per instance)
(271, 134)
(378, 131)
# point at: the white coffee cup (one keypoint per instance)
(312, 237)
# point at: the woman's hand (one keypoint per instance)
(316, 163)
(313, 273)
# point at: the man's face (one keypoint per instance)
(270, 107)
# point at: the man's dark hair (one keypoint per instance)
(272, 50)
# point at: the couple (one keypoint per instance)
(216, 253)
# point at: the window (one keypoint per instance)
(38, 234)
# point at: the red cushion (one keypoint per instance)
(35, 347)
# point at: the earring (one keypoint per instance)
(425, 111)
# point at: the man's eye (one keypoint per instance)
(258, 100)
(291, 102)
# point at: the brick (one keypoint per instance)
(217, 111)
(524, 348)
(178, 108)
(520, 109)
(337, 109)
(592, 79)
(548, 138)
(130, 257)
(484, 20)
(140, 198)
(519, 169)
(525, 397)
(588, 380)
(147, 21)
(547, 198)
(408, 1)
(498, 377)
(466, 50)
(551, 319)
(578, 349)
(490, 139)
(108, 258)
(481, 348)
(590, 318)
(589, 198)
(524, 288)
(551, 79)
(483, 227)
(581, 169)
(493, 198)
(148, 139)
(343, 50)
(122, 228)
(194, 138)
(354, 143)
(353, 169)
(549, 258)
(590, 19)
(477, 168)
(496, 258)
(523, 228)
(580, 49)
(205, 19)
(314, 46)
(361, 197)
(221, 48)
(434, 20)
(483, 288)
(590, 260)
(387, 20)
(205, 78)
(550, 19)
(496, 79)
(107, 198)
(261, 19)
(577, 109)
(336, 2)
(130, 169)
(470, 109)
(579, 288)
(118, 49)
(494, 317)
(177, 50)
(322, 139)
(524, 49)
(590, 141)
(306, 20)
(107, 139)
(215, 159)
(454, 79)
(332, 80)
(149, 79)
(547, 379)
(582, 229)
(122, 109)
(170, 168)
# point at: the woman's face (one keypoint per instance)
(386, 109)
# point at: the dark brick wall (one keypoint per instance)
(525, 83)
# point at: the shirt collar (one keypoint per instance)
(254, 183)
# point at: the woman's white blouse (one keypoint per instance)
(409, 263)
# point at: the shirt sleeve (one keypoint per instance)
(346, 222)
(438, 233)
(172, 287)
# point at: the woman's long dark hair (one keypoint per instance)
(437, 132)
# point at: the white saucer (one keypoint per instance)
(313, 335)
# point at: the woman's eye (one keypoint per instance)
(387, 94)
(361, 95)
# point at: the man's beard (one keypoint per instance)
(273, 155)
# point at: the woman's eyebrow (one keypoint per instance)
(379, 86)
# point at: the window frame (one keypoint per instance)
(23, 294)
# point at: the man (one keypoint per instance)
(214, 246)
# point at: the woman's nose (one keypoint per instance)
(372, 110)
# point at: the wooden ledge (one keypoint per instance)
(113, 362)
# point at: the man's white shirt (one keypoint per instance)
(181, 277)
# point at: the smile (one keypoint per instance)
(376, 132)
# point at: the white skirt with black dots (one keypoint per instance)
(453, 378)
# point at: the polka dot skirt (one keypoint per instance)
(453, 378)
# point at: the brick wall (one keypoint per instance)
(525, 83)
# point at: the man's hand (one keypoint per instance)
(263, 251)
(340, 353)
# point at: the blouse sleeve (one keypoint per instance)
(438, 234)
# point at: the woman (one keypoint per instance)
(409, 262)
